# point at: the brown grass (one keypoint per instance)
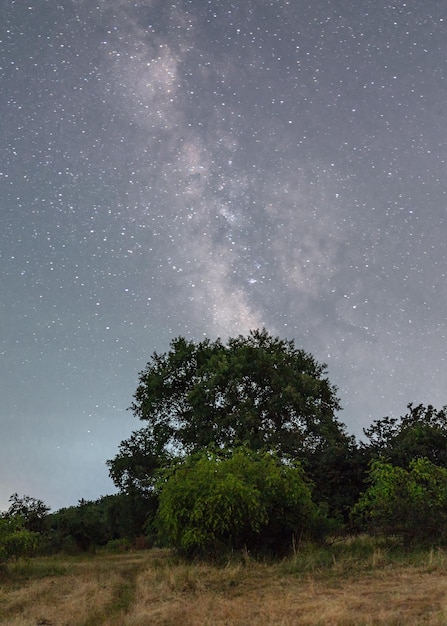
(331, 587)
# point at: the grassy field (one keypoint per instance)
(350, 583)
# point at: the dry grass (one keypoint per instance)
(339, 586)
(82, 591)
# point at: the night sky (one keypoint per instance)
(203, 168)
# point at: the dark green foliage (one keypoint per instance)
(21, 527)
(91, 524)
(256, 391)
(128, 514)
(31, 510)
(78, 528)
(410, 503)
(212, 503)
(422, 432)
(338, 470)
(138, 459)
(15, 540)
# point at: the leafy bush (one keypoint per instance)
(118, 545)
(15, 540)
(411, 503)
(214, 502)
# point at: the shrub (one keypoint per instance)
(118, 545)
(212, 503)
(409, 503)
(15, 540)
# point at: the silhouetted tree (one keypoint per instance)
(422, 432)
(31, 510)
(258, 391)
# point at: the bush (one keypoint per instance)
(213, 503)
(409, 503)
(15, 540)
(117, 546)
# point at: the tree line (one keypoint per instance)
(242, 448)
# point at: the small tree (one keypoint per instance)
(212, 503)
(411, 503)
(31, 510)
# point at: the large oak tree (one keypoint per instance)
(258, 391)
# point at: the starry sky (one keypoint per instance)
(203, 168)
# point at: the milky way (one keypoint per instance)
(201, 169)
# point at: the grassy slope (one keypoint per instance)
(354, 584)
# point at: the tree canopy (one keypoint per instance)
(422, 432)
(31, 510)
(258, 391)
